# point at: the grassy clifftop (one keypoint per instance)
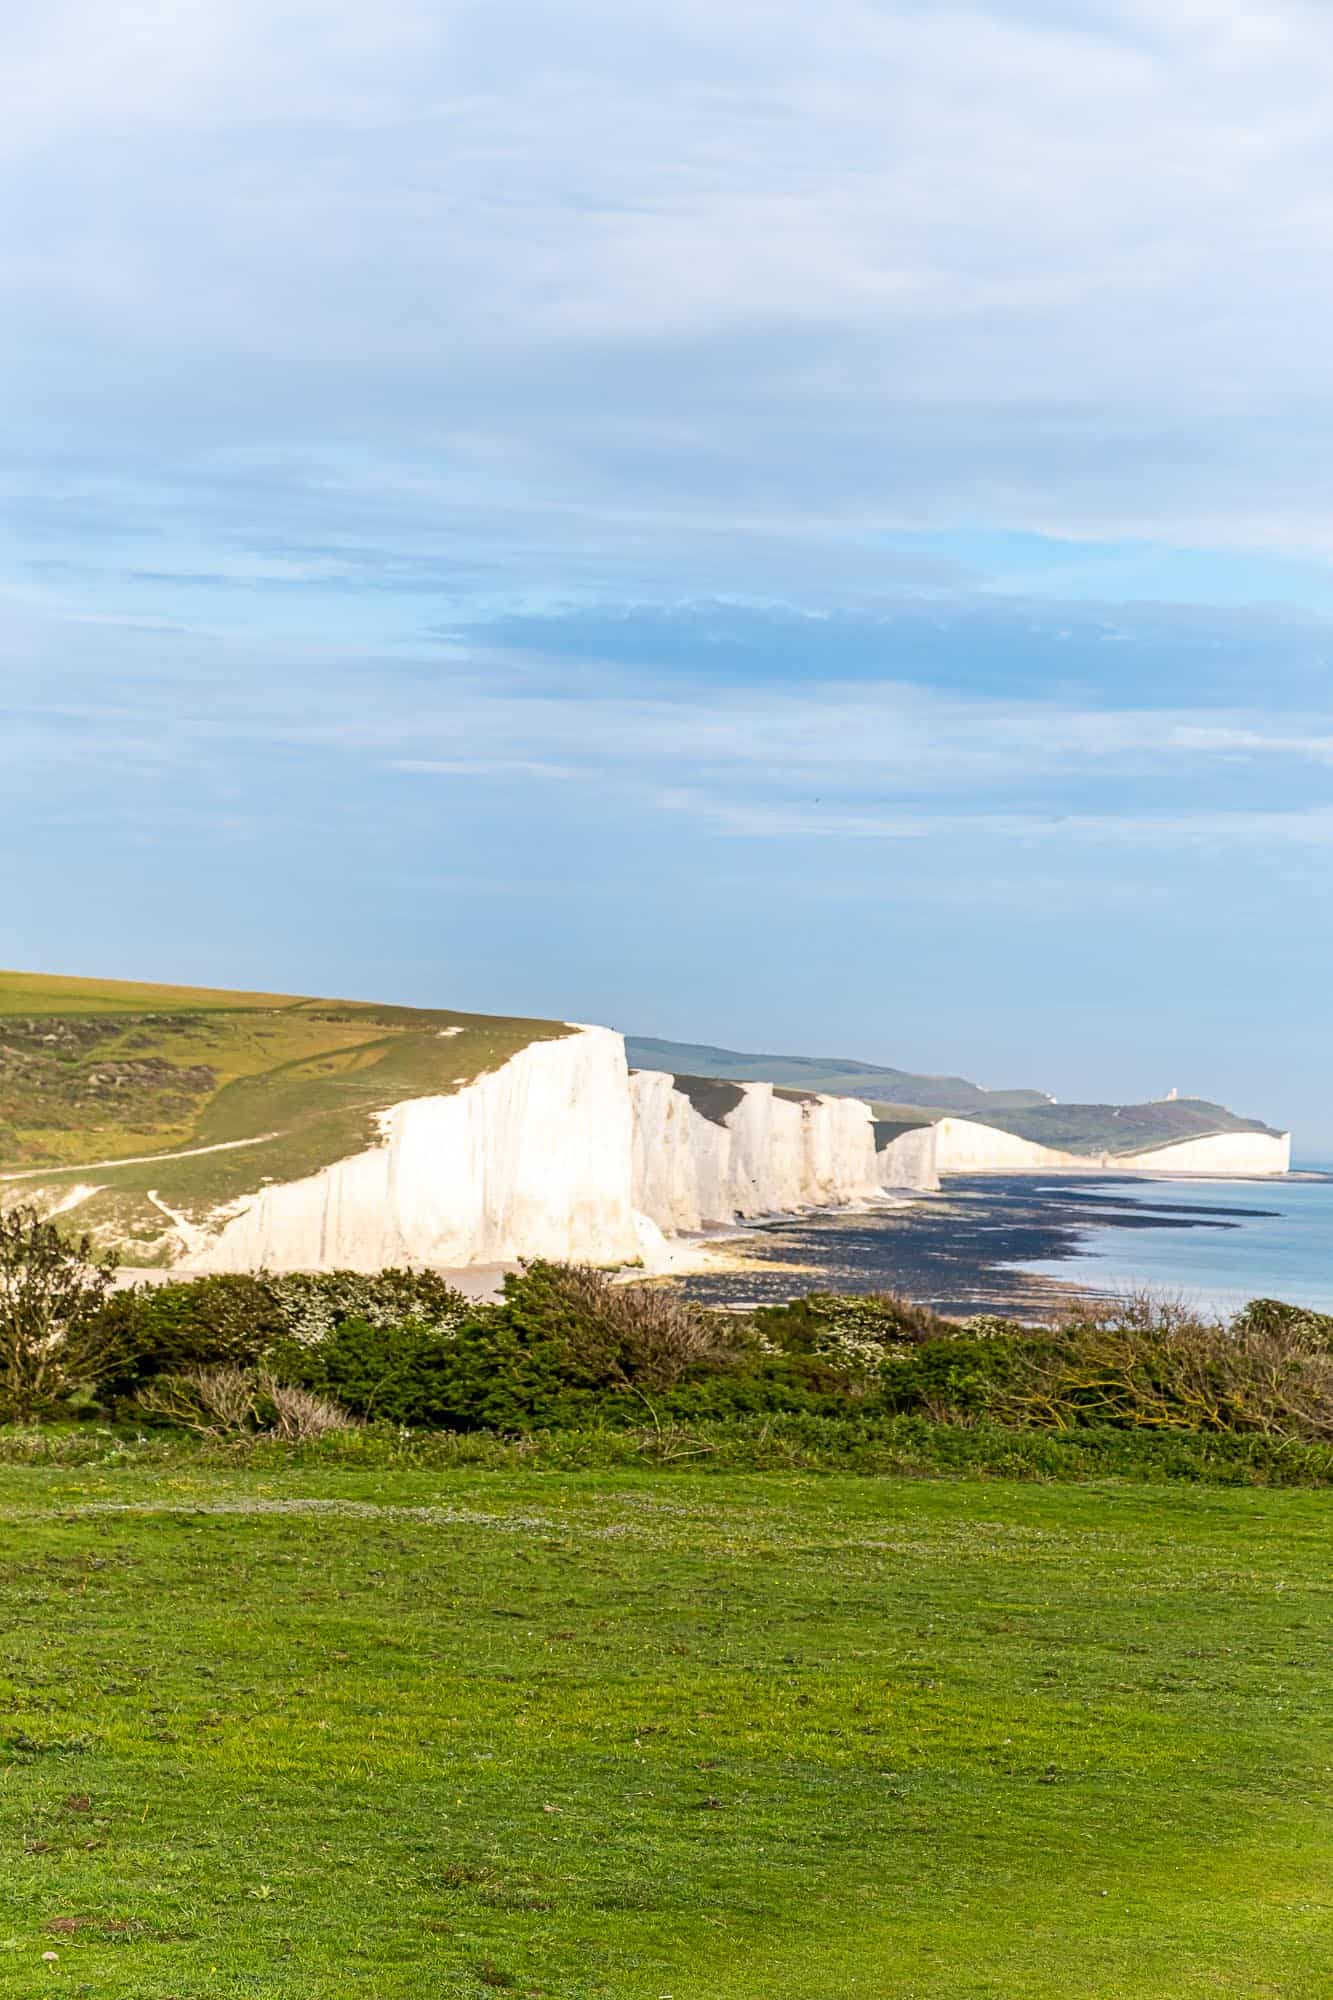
(1122, 1128)
(122, 1077)
(1093, 1129)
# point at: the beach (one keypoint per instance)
(1026, 1244)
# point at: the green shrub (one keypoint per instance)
(312, 1303)
(1275, 1319)
(222, 1321)
(404, 1374)
(1175, 1373)
(609, 1336)
(231, 1320)
(564, 1342)
(55, 1348)
(831, 1322)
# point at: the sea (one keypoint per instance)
(1023, 1243)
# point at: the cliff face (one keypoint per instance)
(560, 1152)
(911, 1160)
(963, 1146)
(1221, 1153)
(766, 1155)
(531, 1160)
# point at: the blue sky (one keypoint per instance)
(800, 527)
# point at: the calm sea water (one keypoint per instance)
(1218, 1243)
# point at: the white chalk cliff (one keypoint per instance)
(530, 1160)
(765, 1154)
(558, 1153)
(964, 1146)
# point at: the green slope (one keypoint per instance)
(1122, 1128)
(96, 1071)
(836, 1075)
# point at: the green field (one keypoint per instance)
(96, 1071)
(315, 1731)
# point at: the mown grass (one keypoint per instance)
(284, 1728)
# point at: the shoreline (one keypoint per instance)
(972, 1247)
(1023, 1245)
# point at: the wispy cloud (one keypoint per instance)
(812, 756)
(1250, 832)
(677, 442)
(564, 279)
(485, 767)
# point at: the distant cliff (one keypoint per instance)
(1088, 1132)
(965, 1146)
(707, 1151)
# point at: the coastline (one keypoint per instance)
(1029, 1246)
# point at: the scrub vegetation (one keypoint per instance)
(637, 1371)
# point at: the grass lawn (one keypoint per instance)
(326, 1732)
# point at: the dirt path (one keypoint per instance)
(136, 1160)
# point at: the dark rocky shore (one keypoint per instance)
(954, 1250)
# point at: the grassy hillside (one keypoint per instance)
(1092, 1129)
(95, 1072)
(54, 993)
(1121, 1128)
(330, 1733)
(835, 1075)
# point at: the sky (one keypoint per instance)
(807, 528)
